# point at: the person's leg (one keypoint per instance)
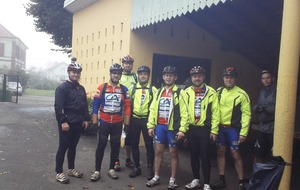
(204, 133)
(221, 150)
(75, 132)
(64, 141)
(238, 163)
(174, 161)
(115, 135)
(194, 150)
(135, 131)
(149, 149)
(102, 142)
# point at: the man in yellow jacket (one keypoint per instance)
(235, 115)
(141, 95)
(167, 123)
(204, 114)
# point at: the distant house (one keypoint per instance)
(57, 72)
(12, 51)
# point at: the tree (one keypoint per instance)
(51, 17)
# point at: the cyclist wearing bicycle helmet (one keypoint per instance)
(128, 79)
(204, 114)
(235, 115)
(71, 110)
(167, 123)
(112, 102)
(141, 97)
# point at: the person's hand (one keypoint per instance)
(213, 137)
(65, 126)
(180, 135)
(242, 139)
(151, 132)
(85, 124)
(126, 129)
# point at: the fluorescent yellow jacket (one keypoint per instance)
(235, 108)
(139, 109)
(210, 112)
(179, 119)
(128, 79)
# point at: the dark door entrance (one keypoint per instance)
(183, 65)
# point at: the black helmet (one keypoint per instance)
(230, 71)
(143, 69)
(73, 66)
(197, 70)
(116, 67)
(170, 69)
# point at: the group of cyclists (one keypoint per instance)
(131, 105)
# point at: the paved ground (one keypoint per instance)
(28, 144)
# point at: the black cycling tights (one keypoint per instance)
(199, 142)
(115, 131)
(68, 140)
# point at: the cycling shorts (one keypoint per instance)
(163, 136)
(228, 136)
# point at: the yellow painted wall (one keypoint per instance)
(200, 44)
(101, 34)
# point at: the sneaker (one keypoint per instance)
(129, 164)
(117, 166)
(135, 172)
(242, 186)
(95, 176)
(112, 174)
(75, 173)
(206, 187)
(218, 185)
(154, 181)
(172, 185)
(193, 185)
(62, 178)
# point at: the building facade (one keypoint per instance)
(12, 51)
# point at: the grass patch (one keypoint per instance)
(37, 92)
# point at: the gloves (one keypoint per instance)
(126, 129)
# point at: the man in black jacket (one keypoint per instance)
(71, 110)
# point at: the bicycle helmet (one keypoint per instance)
(127, 59)
(230, 71)
(143, 69)
(116, 67)
(73, 66)
(170, 69)
(197, 70)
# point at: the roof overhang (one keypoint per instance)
(76, 5)
(145, 12)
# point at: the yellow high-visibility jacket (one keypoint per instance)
(235, 108)
(179, 119)
(210, 112)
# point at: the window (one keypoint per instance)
(2, 49)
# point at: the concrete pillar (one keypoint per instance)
(287, 86)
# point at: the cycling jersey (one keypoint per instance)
(235, 109)
(176, 100)
(128, 79)
(203, 107)
(71, 103)
(141, 100)
(111, 103)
